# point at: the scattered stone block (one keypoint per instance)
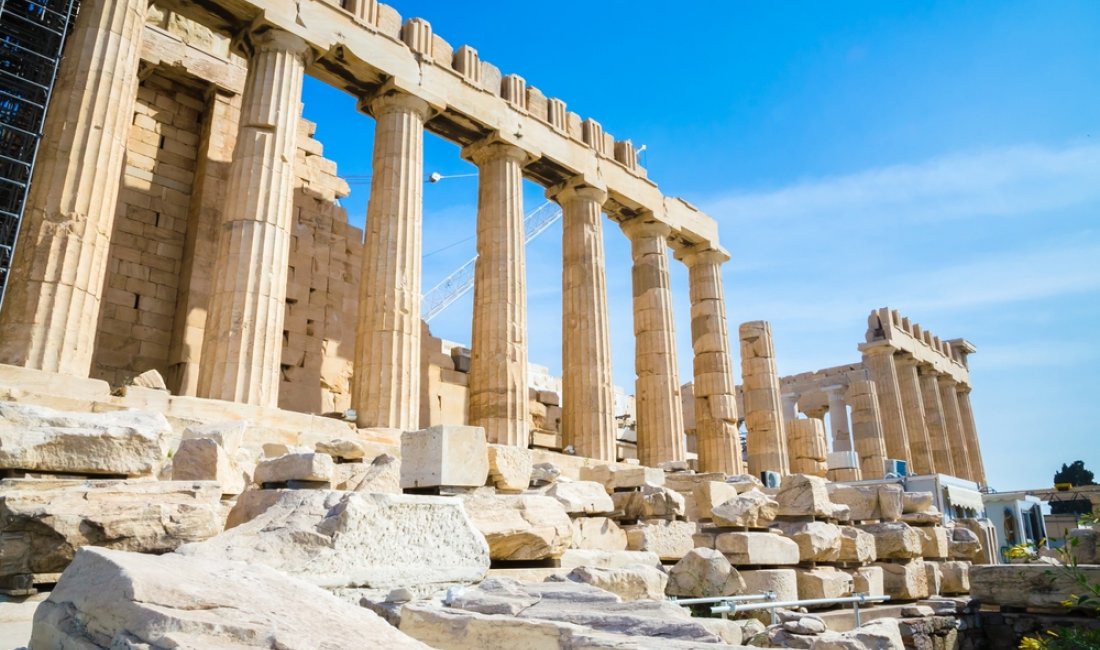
(635, 582)
(783, 582)
(228, 434)
(544, 474)
(934, 577)
(342, 449)
(114, 443)
(621, 477)
(862, 500)
(607, 559)
(709, 494)
(856, 545)
(670, 540)
(704, 573)
(305, 467)
(521, 527)
(649, 501)
(509, 468)
(581, 497)
(956, 577)
(817, 541)
(156, 601)
(823, 582)
(444, 456)
(916, 502)
(149, 379)
(964, 544)
(1025, 585)
(751, 508)
(598, 534)
(383, 474)
(879, 633)
(802, 495)
(894, 540)
(933, 541)
(358, 540)
(757, 548)
(905, 580)
(868, 580)
(890, 502)
(203, 459)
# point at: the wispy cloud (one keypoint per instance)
(999, 182)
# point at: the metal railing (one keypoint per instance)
(744, 598)
(855, 599)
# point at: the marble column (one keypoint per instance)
(243, 337)
(838, 419)
(970, 433)
(878, 360)
(790, 406)
(933, 413)
(807, 447)
(920, 447)
(952, 416)
(51, 309)
(386, 378)
(660, 417)
(588, 398)
(498, 362)
(718, 440)
(767, 434)
(867, 433)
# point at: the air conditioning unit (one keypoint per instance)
(896, 468)
(843, 460)
(770, 479)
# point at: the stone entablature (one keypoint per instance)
(886, 326)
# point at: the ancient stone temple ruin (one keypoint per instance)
(208, 378)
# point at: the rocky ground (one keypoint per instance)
(119, 530)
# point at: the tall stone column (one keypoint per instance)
(806, 445)
(718, 439)
(838, 418)
(767, 436)
(866, 429)
(386, 377)
(498, 363)
(657, 390)
(933, 413)
(790, 406)
(588, 397)
(244, 323)
(878, 359)
(920, 447)
(51, 310)
(952, 417)
(970, 433)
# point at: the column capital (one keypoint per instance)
(391, 101)
(835, 389)
(494, 147)
(905, 359)
(578, 186)
(877, 348)
(947, 380)
(269, 39)
(704, 253)
(645, 225)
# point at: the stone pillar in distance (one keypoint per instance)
(718, 439)
(51, 309)
(657, 390)
(244, 324)
(952, 417)
(767, 435)
(920, 447)
(970, 433)
(838, 418)
(934, 419)
(588, 398)
(386, 378)
(867, 430)
(878, 360)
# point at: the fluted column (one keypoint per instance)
(386, 378)
(806, 446)
(933, 414)
(660, 417)
(244, 324)
(970, 433)
(878, 360)
(588, 396)
(51, 309)
(718, 440)
(920, 447)
(953, 424)
(766, 445)
(838, 419)
(498, 363)
(866, 429)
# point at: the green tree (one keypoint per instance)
(1075, 474)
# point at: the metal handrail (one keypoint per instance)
(855, 599)
(767, 595)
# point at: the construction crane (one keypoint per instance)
(455, 285)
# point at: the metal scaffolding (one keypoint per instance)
(32, 34)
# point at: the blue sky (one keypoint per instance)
(940, 158)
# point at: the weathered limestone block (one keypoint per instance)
(670, 540)
(757, 548)
(880, 633)
(817, 541)
(598, 534)
(933, 541)
(751, 508)
(862, 500)
(635, 582)
(894, 540)
(856, 545)
(704, 573)
(305, 467)
(521, 527)
(783, 582)
(383, 474)
(509, 468)
(341, 448)
(617, 477)
(710, 494)
(607, 559)
(685, 483)
(176, 601)
(964, 544)
(934, 576)
(823, 582)
(956, 577)
(868, 580)
(581, 497)
(37, 438)
(1025, 585)
(905, 580)
(228, 434)
(544, 474)
(149, 379)
(444, 455)
(914, 502)
(44, 522)
(806, 445)
(203, 459)
(649, 501)
(354, 539)
(802, 495)
(932, 518)
(890, 502)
